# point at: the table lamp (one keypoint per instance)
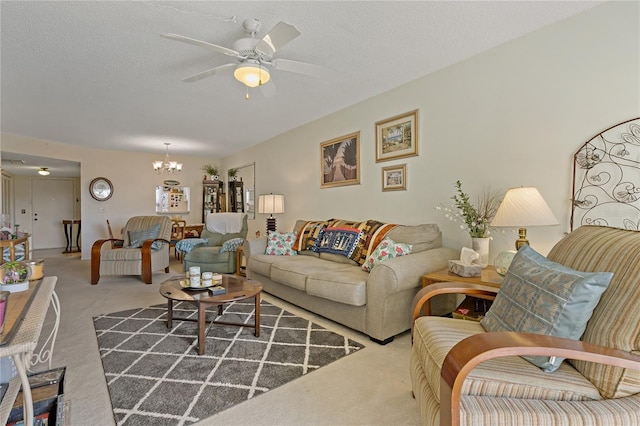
(270, 204)
(523, 207)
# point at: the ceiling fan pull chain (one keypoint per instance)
(247, 95)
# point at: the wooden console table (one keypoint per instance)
(25, 315)
(12, 246)
(68, 235)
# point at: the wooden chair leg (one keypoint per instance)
(95, 263)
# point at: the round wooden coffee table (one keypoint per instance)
(237, 288)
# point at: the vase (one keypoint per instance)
(481, 246)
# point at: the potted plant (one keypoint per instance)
(233, 174)
(14, 276)
(475, 218)
(212, 171)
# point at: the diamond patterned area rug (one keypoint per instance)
(155, 376)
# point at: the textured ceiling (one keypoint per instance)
(97, 73)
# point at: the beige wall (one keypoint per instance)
(132, 177)
(511, 116)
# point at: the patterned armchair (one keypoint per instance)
(145, 248)
(463, 375)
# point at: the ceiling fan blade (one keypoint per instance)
(269, 89)
(298, 67)
(189, 40)
(209, 72)
(279, 35)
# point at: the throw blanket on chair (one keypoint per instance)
(225, 223)
(188, 244)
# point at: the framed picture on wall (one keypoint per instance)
(397, 137)
(340, 161)
(394, 178)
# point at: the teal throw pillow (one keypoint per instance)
(281, 244)
(543, 297)
(136, 238)
(231, 245)
(387, 249)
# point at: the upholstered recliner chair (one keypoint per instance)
(215, 255)
(464, 375)
(144, 249)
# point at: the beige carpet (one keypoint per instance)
(370, 387)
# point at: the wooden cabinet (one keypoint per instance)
(212, 192)
(236, 196)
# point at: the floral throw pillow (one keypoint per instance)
(231, 245)
(281, 244)
(387, 249)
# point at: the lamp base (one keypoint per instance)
(271, 224)
(522, 238)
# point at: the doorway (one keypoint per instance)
(52, 201)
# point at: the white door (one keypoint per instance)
(52, 201)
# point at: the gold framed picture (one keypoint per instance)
(340, 161)
(397, 137)
(394, 178)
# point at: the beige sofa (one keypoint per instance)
(375, 303)
(462, 374)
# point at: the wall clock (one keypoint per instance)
(101, 189)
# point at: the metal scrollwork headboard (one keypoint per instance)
(606, 179)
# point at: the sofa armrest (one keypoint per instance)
(476, 349)
(253, 246)
(405, 272)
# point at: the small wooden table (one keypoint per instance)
(238, 288)
(240, 270)
(488, 277)
(68, 235)
(12, 246)
(198, 227)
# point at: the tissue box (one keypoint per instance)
(456, 267)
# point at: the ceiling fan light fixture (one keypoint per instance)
(251, 74)
(44, 171)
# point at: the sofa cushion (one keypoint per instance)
(543, 297)
(292, 271)
(337, 240)
(261, 263)
(348, 285)
(387, 249)
(421, 237)
(507, 377)
(337, 258)
(280, 244)
(599, 248)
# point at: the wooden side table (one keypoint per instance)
(239, 257)
(489, 277)
(12, 246)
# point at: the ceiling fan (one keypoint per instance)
(254, 56)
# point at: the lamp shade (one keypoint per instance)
(523, 207)
(270, 203)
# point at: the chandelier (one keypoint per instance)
(166, 165)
